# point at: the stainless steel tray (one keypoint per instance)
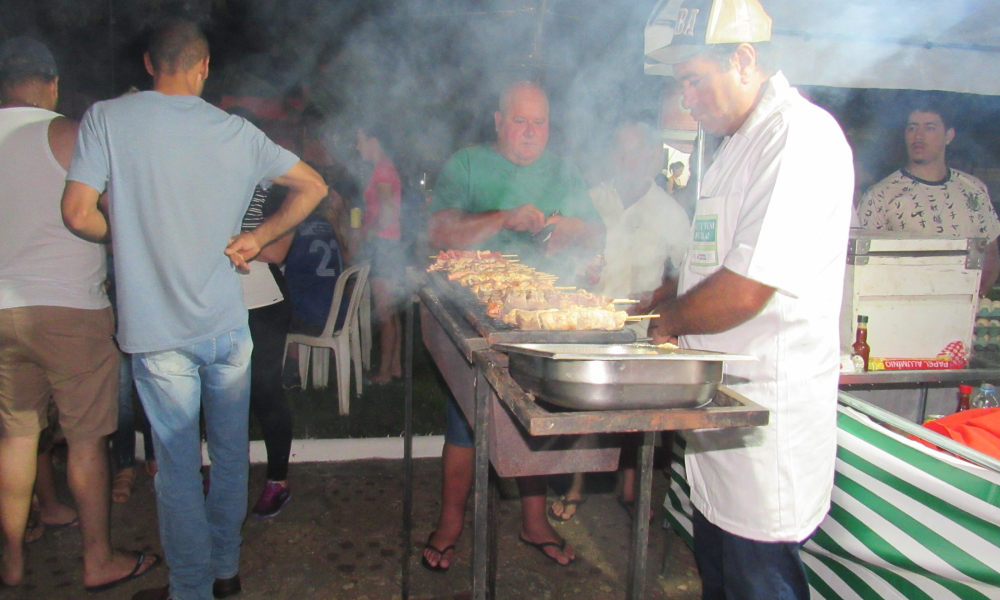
(616, 376)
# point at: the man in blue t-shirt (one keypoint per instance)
(179, 174)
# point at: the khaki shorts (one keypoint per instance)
(66, 354)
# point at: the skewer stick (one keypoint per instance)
(507, 255)
(641, 317)
(563, 287)
(624, 301)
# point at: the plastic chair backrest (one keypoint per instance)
(358, 273)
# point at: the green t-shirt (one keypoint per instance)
(478, 179)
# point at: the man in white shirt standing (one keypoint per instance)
(763, 277)
(645, 226)
(928, 197)
(647, 235)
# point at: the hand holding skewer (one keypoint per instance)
(642, 305)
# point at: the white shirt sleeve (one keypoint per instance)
(789, 203)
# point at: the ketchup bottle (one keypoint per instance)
(964, 393)
(861, 349)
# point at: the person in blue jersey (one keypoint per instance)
(312, 266)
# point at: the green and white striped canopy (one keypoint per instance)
(906, 521)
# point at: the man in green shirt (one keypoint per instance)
(496, 197)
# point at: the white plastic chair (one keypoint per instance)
(344, 342)
(365, 326)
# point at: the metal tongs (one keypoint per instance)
(541, 239)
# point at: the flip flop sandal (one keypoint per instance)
(60, 526)
(442, 551)
(34, 530)
(576, 504)
(121, 488)
(541, 546)
(135, 574)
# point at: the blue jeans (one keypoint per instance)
(736, 568)
(200, 535)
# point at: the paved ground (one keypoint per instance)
(339, 538)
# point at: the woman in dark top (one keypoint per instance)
(268, 327)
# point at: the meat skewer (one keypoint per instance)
(520, 296)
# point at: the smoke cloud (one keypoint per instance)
(432, 69)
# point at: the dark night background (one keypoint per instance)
(433, 69)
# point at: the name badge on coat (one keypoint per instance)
(706, 251)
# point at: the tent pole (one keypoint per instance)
(699, 153)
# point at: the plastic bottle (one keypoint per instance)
(964, 396)
(860, 348)
(985, 397)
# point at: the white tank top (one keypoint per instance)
(41, 262)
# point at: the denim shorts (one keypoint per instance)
(457, 430)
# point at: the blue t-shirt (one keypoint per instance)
(179, 174)
(312, 266)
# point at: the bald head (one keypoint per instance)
(177, 45)
(519, 88)
(522, 123)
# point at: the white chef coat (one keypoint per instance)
(771, 210)
(639, 239)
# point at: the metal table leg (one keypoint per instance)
(923, 403)
(407, 450)
(480, 492)
(640, 522)
(494, 504)
(668, 533)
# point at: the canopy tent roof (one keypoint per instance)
(949, 45)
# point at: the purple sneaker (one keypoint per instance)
(272, 499)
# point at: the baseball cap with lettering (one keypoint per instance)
(686, 28)
(22, 56)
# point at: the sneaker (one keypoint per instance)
(272, 499)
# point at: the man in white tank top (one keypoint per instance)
(56, 324)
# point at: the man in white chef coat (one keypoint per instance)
(763, 277)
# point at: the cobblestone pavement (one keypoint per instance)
(339, 538)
